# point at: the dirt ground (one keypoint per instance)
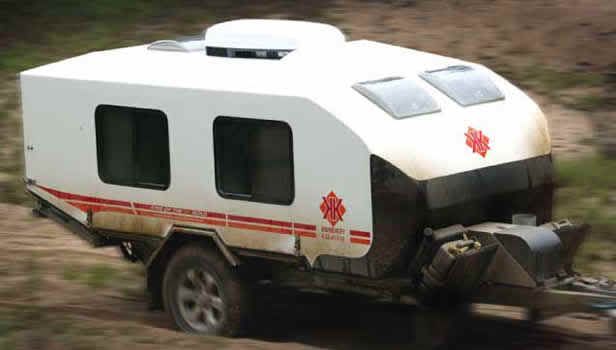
(54, 298)
(570, 129)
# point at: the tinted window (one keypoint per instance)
(465, 85)
(399, 97)
(254, 160)
(133, 147)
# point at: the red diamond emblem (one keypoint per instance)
(332, 208)
(477, 141)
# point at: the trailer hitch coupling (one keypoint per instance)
(456, 269)
(454, 261)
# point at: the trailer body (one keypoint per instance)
(302, 146)
(338, 136)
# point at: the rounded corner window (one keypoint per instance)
(132, 147)
(254, 160)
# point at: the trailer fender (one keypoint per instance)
(178, 233)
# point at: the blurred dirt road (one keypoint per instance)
(115, 315)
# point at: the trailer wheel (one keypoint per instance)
(202, 293)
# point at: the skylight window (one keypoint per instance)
(463, 84)
(400, 97)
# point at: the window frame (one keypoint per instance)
(218, 170)
(100, 151)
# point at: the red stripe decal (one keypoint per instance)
(305, 226)
(280, 230)
(147, 206)
(306, 234)
(259, 221)
(77, 197)
(189, 215)
(181, 218)
(162, 209)
(192, 212)
(360, 233)
(216, 215)
(99, 208)
(360, 241)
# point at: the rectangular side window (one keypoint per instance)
(254, 160)
(132, 147)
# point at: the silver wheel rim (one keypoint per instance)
(200, 302)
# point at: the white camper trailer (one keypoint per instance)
(281, 148)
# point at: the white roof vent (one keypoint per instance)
(185, 44)
(263, 38)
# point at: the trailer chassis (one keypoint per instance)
(565, 293)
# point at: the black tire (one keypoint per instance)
(190, 275)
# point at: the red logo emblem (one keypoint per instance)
(332, 208)
(476, 140)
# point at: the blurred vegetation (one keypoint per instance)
(99, 276)
(587, 193)
(579, 90)
(39, 32)
(95, 277)
(28, 319)
(548, 80)
(591, 175)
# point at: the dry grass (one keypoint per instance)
(567, 34)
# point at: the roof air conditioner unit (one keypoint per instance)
(269, 39)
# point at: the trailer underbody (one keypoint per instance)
(489, 263)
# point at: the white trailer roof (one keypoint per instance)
(340, 64)
(425, 147)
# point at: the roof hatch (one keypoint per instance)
(185, 44)
(264, 38)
